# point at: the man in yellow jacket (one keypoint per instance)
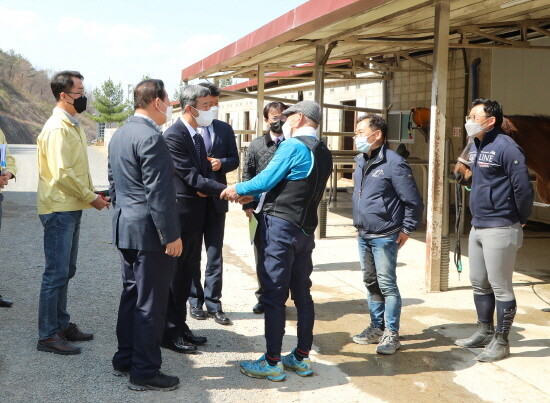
(8, 172)
(64, 190)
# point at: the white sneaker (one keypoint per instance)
(389, 343)
(370, 335)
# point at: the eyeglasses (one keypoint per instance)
(277, 118)
(474, 118)
(82, 94)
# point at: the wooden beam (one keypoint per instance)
(492, 37)
(540, 30)
(435, 258)
(322, 53)
(260, 102)
(412, 59)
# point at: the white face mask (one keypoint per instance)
(214, 111)
(168, 112)
(205, 117)
(473, 128)
(287, 130)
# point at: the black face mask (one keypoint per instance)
(80, 103)
(276, 127)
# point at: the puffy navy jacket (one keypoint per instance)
(385, 195)
(501, 193)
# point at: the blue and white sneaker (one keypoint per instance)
(261, 369)
(302, 368)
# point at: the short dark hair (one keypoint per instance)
(214, 91)
(279, 106)
(491, 108)
(376, 122)
(63, 82)
(147, 91)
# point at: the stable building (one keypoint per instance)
(391, 57)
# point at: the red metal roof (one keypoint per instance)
(296, 23)
(273, 76)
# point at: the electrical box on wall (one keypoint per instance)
(398, 130)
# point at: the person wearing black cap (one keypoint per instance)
(293, 184)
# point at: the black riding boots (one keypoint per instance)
(497, 349)
(481, 338)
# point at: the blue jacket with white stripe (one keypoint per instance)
(501, 193)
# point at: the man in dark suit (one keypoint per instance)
(219, 140)
(144, 200)
(193, 186)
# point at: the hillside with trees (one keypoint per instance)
(26, 100)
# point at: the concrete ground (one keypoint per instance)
(427, 368)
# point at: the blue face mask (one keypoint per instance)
(362, 144)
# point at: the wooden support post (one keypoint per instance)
(260, 102)
(321, 57)
(437, 169)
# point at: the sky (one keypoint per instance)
(125, 40)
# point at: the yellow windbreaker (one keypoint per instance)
(64, 181)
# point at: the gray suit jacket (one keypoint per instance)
(142, 189)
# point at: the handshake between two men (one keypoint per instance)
(230, 194)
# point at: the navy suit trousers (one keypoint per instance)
(146, 280)
(286, 265)
(188, 264)
(258, 258)
(213, 242)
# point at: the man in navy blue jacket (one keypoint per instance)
(222, 153)
(144, 200)
(386, 209)
(500, 202)
(193, 186)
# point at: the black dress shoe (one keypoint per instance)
(5, 303)
(220, 317)
(159, 382)
(197, 313)
(57, 345)
(189, 337)
(179, 346)
(258, 308)
(73, 333)
(121, 371)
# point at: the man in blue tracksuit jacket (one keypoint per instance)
(500, 202)
(293, 182)
(387, 207)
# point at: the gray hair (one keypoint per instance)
(190, 93)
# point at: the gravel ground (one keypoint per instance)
(31, 376)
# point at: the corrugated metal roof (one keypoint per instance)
(373, 35)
